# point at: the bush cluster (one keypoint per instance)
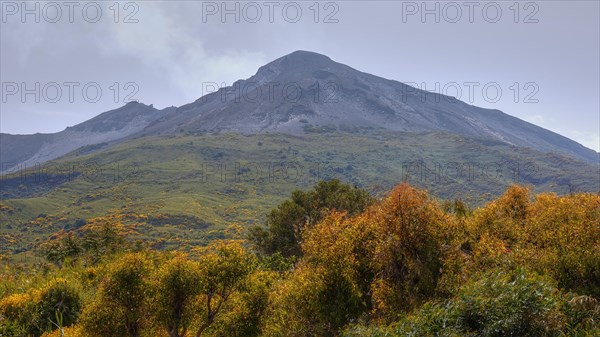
(335, 262)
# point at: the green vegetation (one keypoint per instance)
(57, 303)
(506, 303)
(184, 191)
(403, 265)
(286, 224)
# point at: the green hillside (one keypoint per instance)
(190, 187)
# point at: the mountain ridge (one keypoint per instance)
(288, 95)
(336, 94)
(21, 151)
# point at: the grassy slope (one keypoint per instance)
(168, 175)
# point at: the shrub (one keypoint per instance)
(18, 314)
(563, 240)
(287, 222)
(407, 250)
(57, 304)
(120, 307)
(223, 267)
(552, 235)
(584, 314)
(244, 312)
(499, 304)
(314, 301)
(59, 301)
(387, 259)
(176, 286)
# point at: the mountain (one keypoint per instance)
(189, 188)
(232, 155)
(290, 95)
(30, 150)
(306, 89)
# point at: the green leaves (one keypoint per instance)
(36, 311)
(495, 304)
(287, 223)
(175, 289)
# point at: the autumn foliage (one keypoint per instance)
(405, 265)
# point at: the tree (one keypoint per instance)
(177, 285)
(120, 308)
(287, 222)
(103, 240)
(409, 229)
(498, 303)
(243, 314)
(67, 248)
(384, 261)
(223, 268)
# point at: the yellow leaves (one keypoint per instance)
(72, 331)
(234, 231)
(389, 259)
(4, 208)
(408, 214)
(14, 305)
(489, 249)
(408, 230)
(381, 291)
(122, 225)
(555, 235)
(404, 249)
(295, 303)
(515, 202)
(505, 217)
(34, 309)
(8, 239)
(327, 237)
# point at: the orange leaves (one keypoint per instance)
(328, 238)
(371, 265)
(489, 250)
(554, 235)
(514, 203)
(386, 259)
(404, 249)
(408, 227)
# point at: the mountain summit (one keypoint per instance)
(292, 94)
(306, 89)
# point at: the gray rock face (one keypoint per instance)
(305, 88)
(300, 90)
(23, 151)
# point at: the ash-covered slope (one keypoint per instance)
(308, 89)
(23, 151)
(295, 92)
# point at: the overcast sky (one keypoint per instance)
(165, 52)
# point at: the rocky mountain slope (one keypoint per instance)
(306, 89)
(295, 93)
(21, 151)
